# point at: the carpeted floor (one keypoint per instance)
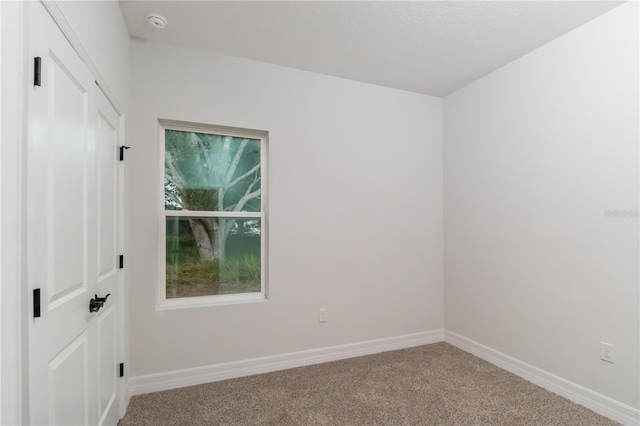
(435, 384)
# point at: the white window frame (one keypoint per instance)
(163, 303)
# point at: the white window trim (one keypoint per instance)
(162, 303)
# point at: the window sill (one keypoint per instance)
(207, 301)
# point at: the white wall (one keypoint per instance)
(355, 208)
(534, 154)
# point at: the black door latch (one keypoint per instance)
(97, 303)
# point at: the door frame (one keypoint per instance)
(12, 267)
(14, 297)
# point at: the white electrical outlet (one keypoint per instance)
(322, 315)
(606, 352)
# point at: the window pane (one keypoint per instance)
(212, 255)
(209, 172)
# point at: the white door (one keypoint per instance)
(72, 236)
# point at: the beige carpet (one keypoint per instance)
(435, 384)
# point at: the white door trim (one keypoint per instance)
(13, 135)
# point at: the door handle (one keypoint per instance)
(98, 302)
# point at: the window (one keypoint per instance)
(213, 219)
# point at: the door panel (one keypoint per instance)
(107, 362)
(68, 384)
(72, 236)
(58, 229)
(106, 149)
(68, 130)
(107, 277)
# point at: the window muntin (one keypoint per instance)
(213, 216)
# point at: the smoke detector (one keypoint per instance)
(157, 21)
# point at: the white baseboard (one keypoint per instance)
(229, 370)
(211, 373)
(594, 401)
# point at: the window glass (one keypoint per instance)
(196, 267)
(213, 215)
(209, 172)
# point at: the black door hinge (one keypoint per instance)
(121, 261)
(121, 369)
(36, 303)
(122, 148)
(37, 71)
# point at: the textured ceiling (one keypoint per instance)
(430, 47)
